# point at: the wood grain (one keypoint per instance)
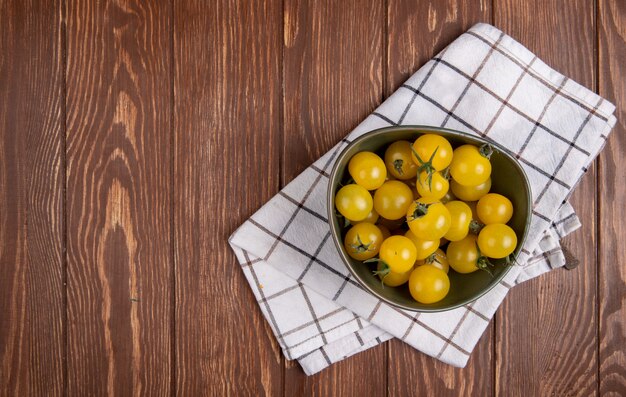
(416, 33)
(136, 136)
(546, 329)
(332, 80)
(31, 199)
(611, 193)
(118, 197)
(227, 133)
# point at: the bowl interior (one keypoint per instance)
(508, 179)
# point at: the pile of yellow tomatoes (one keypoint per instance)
(422, 209)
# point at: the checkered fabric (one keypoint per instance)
(484, 83)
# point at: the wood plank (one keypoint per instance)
(546, 329)
(416, 32)
(333, 79)
(414, 373)
(118, 197)
(227, 137)
(611, 193)
(31, 198)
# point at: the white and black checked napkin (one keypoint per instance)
(484, 83)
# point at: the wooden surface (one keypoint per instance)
(135, 136)
(560, 339)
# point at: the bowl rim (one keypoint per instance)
(330, 204)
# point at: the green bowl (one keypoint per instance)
(507, 177)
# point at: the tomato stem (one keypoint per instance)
(397, 164)
(360, 247)
(510, 260)
(446, 173)
(486, 150)
(426, 166)
(384, 272)
(483, 262)
(421, 209)
(432, 258)
(475, 226)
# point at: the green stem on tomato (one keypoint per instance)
(360, 247)
(483, 262)
(486, 150)
(475, 226)
(421, 209)
(397, 164)
(384, 272)
(425, 166)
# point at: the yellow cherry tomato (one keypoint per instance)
(354, 202)
(398, 253)
(494, 208)
(392, 199)
(460, 218)
(470, 193)
(463, 255)
(399, 162)
(436, 187)
(470, 167)
(393, 279)
(368, 170)
(372, 217)
(428, 219)
(433, 150)
(497, 241)
(438, 259)
(363, 241)
(428, 284)
(425, 248)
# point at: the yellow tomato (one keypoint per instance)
(398, 253)
(432, 150)
(368, 170)
(392, 199)
(354, 202)
(424, 248)
(436, 186)
(494, 208)
(470, 193)
(428, 284)
(463, 255)
(399, 162)
(363, 241)
(428, 219)
(497, 241)
(470, 166)
(437, 259)
(460, 218)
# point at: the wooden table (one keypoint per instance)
(135, 136)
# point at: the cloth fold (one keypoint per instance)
(484, 83)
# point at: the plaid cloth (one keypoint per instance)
(484, 83)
